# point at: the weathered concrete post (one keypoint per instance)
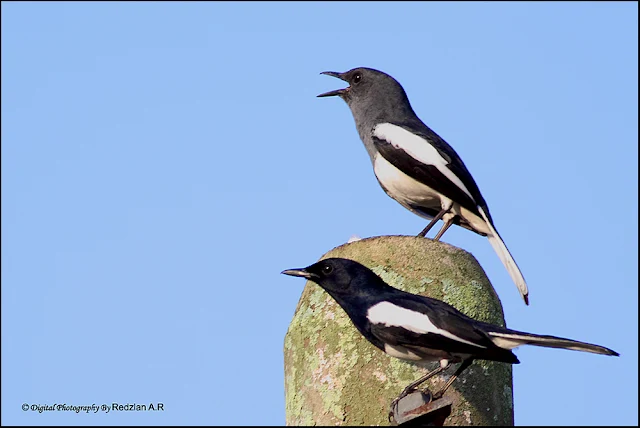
(333, 376)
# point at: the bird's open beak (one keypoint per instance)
(337, 91)
(299, 272)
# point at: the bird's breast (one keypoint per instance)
(414, 195)
(404, 189)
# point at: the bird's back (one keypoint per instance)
(411, 321)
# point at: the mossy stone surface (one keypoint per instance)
(333, 376)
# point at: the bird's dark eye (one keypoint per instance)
(327, 269)
(356, 78)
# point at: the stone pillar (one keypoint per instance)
(334, 376)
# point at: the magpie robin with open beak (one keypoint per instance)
(414, 165)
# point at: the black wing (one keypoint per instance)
(468, 335)
(430, 175)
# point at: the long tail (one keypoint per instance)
(507, 259)
(509, 339)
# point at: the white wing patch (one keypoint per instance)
(419, 149)
(391, 315)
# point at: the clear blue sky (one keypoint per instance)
(163, 162)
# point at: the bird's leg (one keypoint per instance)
(447, 223)
(420, 381)
(446, 206)
(465, 364)
(432, 222)
(415, 384)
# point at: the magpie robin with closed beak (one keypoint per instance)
(418, 328)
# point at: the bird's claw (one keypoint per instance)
(395, 402)
(438, 395)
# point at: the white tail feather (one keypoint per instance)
(513, 339)
(507, 259)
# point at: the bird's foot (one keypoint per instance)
(438, 395)
(394, 403)
(394, 409)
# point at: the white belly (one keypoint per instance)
(408, 191)
(402, 353)
(425, 356)
(403, 188)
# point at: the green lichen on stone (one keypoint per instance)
(389, 276)
(333, 376)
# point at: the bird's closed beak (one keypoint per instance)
(299, 272)
(337, 91)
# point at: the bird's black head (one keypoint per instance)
(371, 94)
(342, 278)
